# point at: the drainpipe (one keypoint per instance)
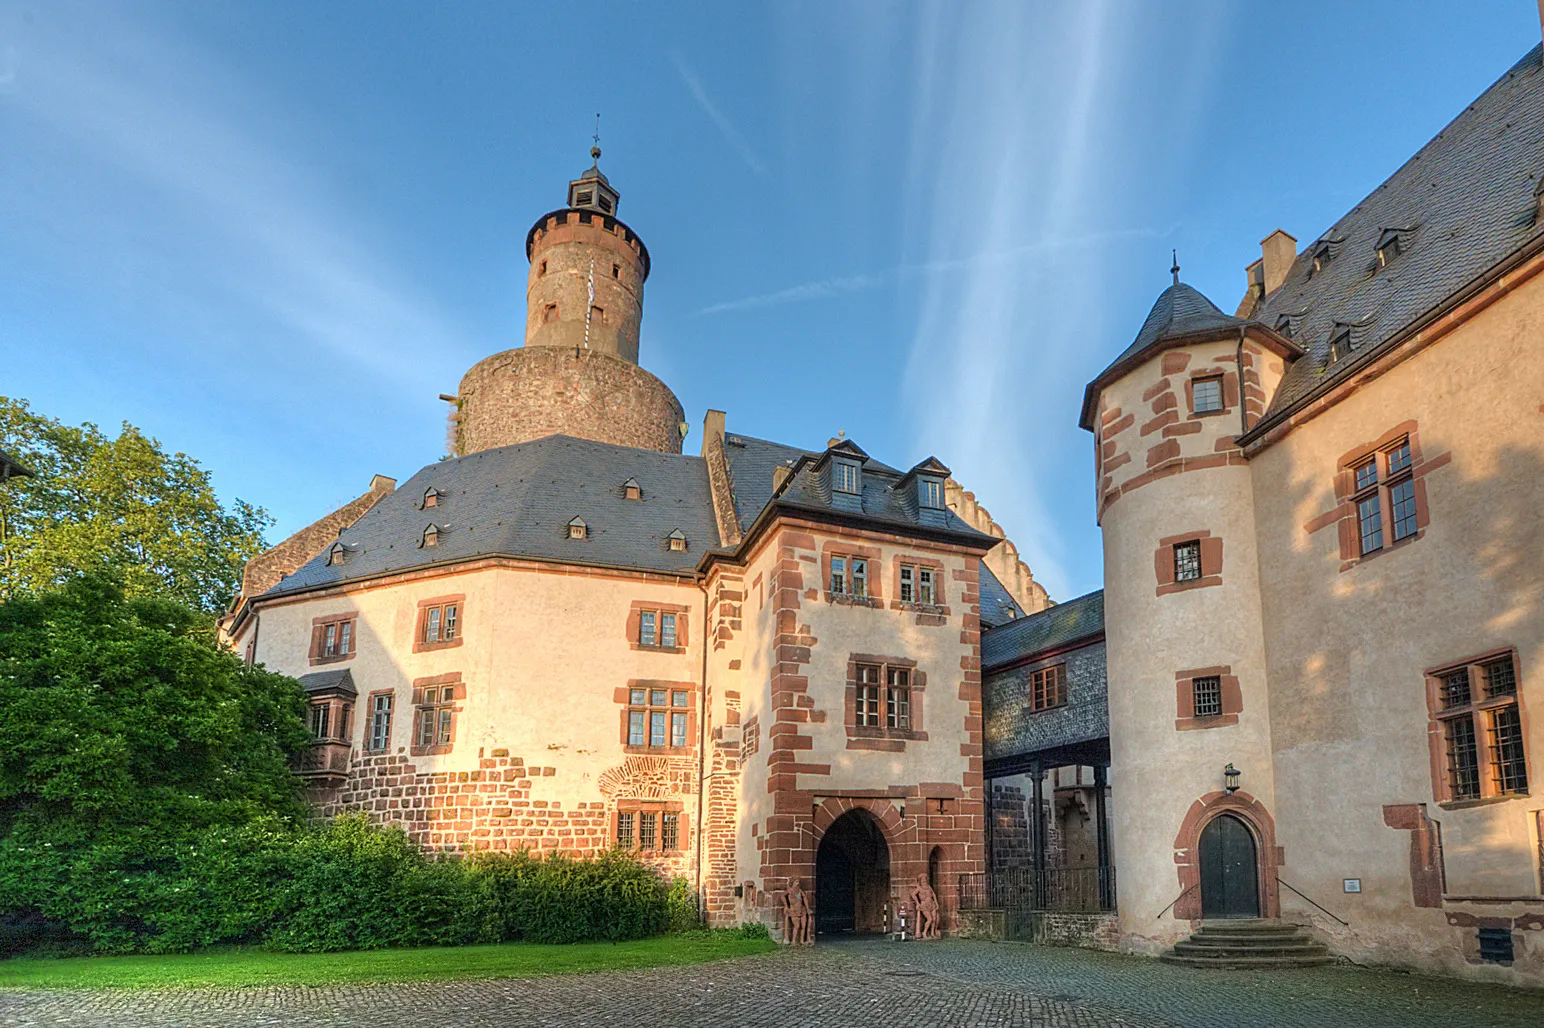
(702, 751)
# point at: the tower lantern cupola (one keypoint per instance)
(591, 191)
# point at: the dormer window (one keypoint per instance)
(677, 541)
(844, 476)
(431, 536)
(1340, 345)
(577, 529)
(431, 497)
(631, 490)
(930, 493)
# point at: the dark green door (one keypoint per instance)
(1230, 876)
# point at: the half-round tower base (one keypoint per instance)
(536, 391)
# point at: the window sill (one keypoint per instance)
(421, 647)
(849, 600)
(1483, 801)
(939, 609)
(335, 659)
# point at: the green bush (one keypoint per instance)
(343, 885)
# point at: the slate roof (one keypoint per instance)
(1462, 204)
(1180, 310)
(325, 681)
(1043, 630)
(517, 500)
(997, 606)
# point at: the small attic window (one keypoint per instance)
(844, 476)
(1340, 345)
(577, 529)
(631, 490)
(677, 541)
(431, 497)
(1284, 326)
(584, 196)
(337, 555)
(930, 493)
(431, 536)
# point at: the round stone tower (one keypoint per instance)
(578, 372)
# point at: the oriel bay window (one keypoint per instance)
(658, 716)
(884, 704)
(1478, 748)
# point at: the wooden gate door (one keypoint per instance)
(1230, 869)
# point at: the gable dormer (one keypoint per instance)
(925, 483)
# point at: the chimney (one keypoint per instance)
(713, 424)
(1277, 252)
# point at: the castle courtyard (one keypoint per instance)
(856, 983)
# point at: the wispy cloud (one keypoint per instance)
(824, 289)
(195, 160)
(731, 134)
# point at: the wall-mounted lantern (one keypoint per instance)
(1230, 778)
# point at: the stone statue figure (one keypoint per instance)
(798, 920)
(924, 904)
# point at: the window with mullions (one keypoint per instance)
(917, 585)
(1207, 695)
(657, 717)
(849, 576)
(1048, 687)
(1187, 561)
(1484, 752)
(1384, 481)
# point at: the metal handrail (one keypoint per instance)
(1300, 893)
(1173, 901)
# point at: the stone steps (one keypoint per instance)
(1248, 943)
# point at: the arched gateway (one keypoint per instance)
(852, 876)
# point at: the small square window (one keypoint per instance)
(1207, 691)
(1187, 561)
(1206, 395)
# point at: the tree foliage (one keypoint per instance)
(122, 508)
(121, 717)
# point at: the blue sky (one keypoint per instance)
(271, 234)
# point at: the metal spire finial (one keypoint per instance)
(595, 150)
(1175, 270)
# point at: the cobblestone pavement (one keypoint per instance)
(844, 985)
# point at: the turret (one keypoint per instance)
(1185, 645)
(578, 372)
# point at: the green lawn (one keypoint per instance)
(240, 967)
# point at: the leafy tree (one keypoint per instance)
(120, 508)
(121, 718)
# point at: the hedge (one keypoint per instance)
(345, 884)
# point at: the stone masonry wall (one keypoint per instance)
(520, 395)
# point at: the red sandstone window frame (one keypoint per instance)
(437, 704)
(1165, 562)
(637, 620)
(884, 702)
(644, 827)
(434, 615)
(334, 638)
(671, 706)
(1230, 698)
(1467, 700)
(1380, 492)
